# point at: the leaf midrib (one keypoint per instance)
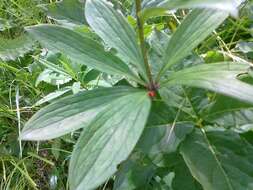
(212, 150)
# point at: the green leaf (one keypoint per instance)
(52, 96)
(90, 76)
(70, 113)
(134, 174)
(183, 178)
(158, 41)
(66, 12)
(226, 5)
(11, 49)
(218, 77)
(161, 7)
(193, 30)
(229, 112)
(52, 77)
(53, 66)
(188, 100)
(80, 49)
(162, 114)
(5, 24)
(108, 141)
(114, 29)
(219, 160)
(164, 138)
(245, 47)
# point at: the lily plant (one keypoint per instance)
(113, 119)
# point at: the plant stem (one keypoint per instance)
(142, 43)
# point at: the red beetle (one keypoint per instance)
(151, 93)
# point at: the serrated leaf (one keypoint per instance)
(114, 29)
(80, 49)
(54, 67)
(11, 49)
(51, 77)
(219, 160)
(218, 77)
(193, 30)
(70, 113)
(108, 140)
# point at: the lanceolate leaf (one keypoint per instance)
(193, 30)
(68, 12)
(219, 160)
(53, 96)
(108, 140)
(80, 49)
(159, 7)
(158, 42)
(70, 113)
(225, 5)
(114, 29)
(163, 7)
(218, 77)
(173, 4)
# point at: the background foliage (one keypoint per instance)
(30, 78)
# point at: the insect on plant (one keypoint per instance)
(121, 123)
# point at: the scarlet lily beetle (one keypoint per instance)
(151, 93)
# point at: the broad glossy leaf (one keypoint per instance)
(229, 112)
(79, 49)
(218, 77)
(162, 114)
(190, 101)
(67, 12)
(134, 174)
(183, 178)
(11, 49)
(114, 29)
(219, 160)
(193, 30)
(164, 138)
(70, 113)
(108, 140)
